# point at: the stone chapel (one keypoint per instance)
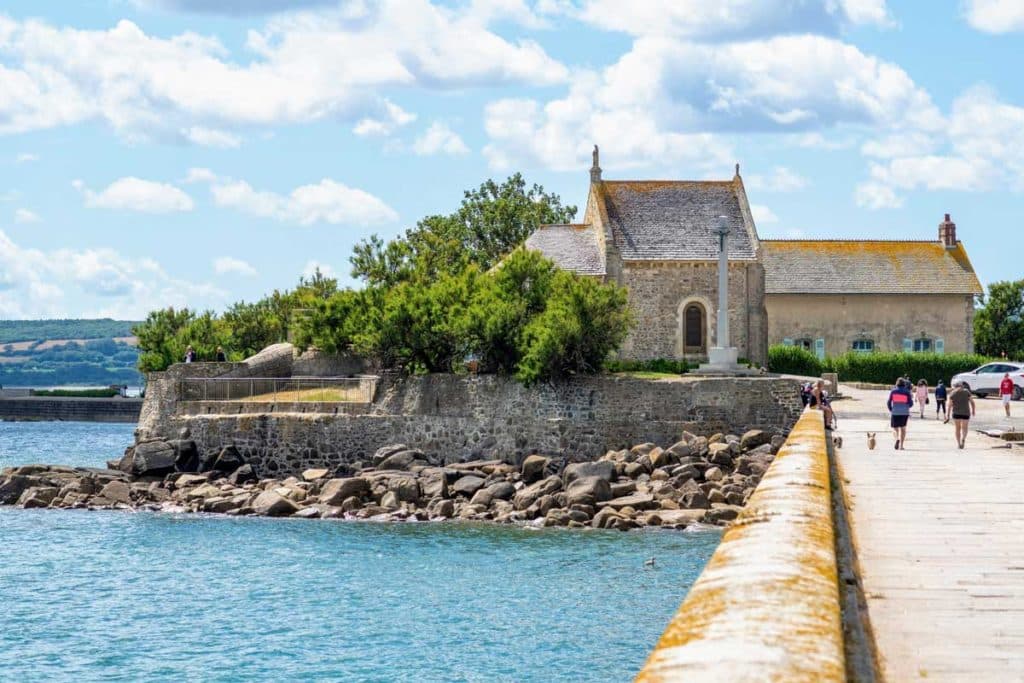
(656, 238)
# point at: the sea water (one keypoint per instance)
(139, 596)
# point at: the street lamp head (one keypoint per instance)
(722, 225)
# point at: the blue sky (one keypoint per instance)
(197, 152)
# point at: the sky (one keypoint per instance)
(199, 152)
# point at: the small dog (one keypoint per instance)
(837, 441)
(871, 441)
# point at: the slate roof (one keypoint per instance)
(674, 220)
(867, 267)
(571, 246)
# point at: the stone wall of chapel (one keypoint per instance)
(657, 288)
(886, 319)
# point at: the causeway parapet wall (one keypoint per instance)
(766, 607)
(70, 409)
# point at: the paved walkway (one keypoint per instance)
(940, 538)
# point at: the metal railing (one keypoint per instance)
(279, 389)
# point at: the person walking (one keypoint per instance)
(900, 402)
(961, 405)
(922, 396)
(1006, 392)
(940, 402)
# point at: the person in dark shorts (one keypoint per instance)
(940, 402)
(900, 402)
(961, 405)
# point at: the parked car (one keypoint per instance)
(985, 380)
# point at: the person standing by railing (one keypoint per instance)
(190, 354)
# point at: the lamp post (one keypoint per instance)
(722, 230)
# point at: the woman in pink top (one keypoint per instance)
(922, 395)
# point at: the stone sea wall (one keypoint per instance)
(455, 419)
(69, 409)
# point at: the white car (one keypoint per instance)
(985, 380)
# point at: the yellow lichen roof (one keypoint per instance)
(867, 267)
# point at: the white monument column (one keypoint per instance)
(722, 357)
(722, 230)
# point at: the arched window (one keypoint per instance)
(694, 329)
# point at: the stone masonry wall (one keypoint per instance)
(657, 291)
(70, 409)
(455, 418)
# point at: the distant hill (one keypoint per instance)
(35, 330)
(68, 352)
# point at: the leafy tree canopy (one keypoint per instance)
(999, 323)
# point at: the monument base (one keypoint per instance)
(723, 362)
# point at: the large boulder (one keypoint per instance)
(384, 452)
(637, 501)
(533, 468)
(754, 438)
(272, 504)
(37, 496)
(434, 485)
(243, 475)
(588, 490)
(116, 492)
(407, 489)
(186, 458)
(501, 490)
(529, 495)
(401, 460)
(12, 487)
(153, 458)
(578, 470)
(467, 485)
(228, 460)
(335, 491)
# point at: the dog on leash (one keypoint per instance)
(871, 441)
(837, 441)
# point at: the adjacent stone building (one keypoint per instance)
(656, 238)
(834, 296)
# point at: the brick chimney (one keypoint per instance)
(947, 233)
(595, 168)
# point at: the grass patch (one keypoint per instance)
(327, 395)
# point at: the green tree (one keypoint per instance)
(492, 221)
(158, 338)
(999, 323)
(583, 322)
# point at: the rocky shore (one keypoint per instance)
(698, 479)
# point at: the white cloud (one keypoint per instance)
(325, 202)
(866, 12)
(440, 139)
(311, 267)
(230, 265)
(26, 158)
(995, 16)
(230, 7)
(981, 149)
(135, 194)
(299, 67)
(199, 175)
(36, 283)
(393, 117)
(667, 101)
(872, 195)
(762, 214)
(210, 137)
(721, 19)
(781, 179)
(26, 216)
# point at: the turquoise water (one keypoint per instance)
(118, 596)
